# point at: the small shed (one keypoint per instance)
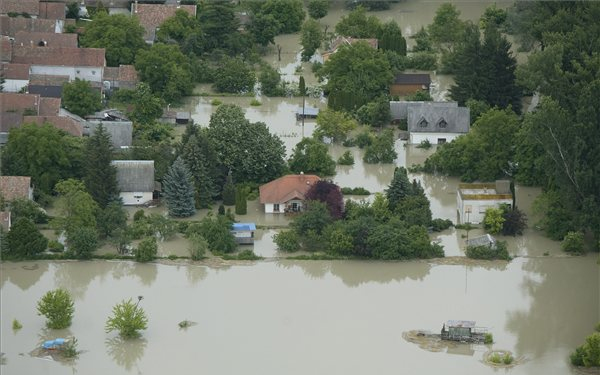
(485, 240)
(308, 112)
(458, 330)
(409, 83)
(243, 233)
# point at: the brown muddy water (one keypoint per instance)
(304, 317)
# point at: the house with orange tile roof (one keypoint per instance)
(16, 187)
(11, 25)
(123, 76)
(347, 41)
(151, 16)
(44, 39)
(287, 193)
(30, 7)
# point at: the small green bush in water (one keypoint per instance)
(287, 241)
(488, 339)
(573, 243)
(495, 358)
(57, 306)
(486, 252)
(255, 103)
(507, 359)
(16, 325)
(128, 319)
(69, 350)
(588, 354)
(216, 102)
(346, 159)
(425, 144)
(438, 225)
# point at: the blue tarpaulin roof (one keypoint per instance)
(52, 344)
(243, 226)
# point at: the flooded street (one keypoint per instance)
(304, 317)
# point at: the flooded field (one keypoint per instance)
(338, 317)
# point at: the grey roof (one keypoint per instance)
(461, 323)
(121, 132)
(435, 119)
(46, 91)
(308, 111)
(135, 175)
(412, 79)
(399, 109)
(485, 240)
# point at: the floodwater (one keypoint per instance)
(301, 317)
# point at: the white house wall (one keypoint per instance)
(137, 198)
(87, 73)
(477, 208)
(268, 208)
(417, 138)
(15, 85)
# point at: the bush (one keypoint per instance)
(242, 255)
(128, 318)
(438, 225)
(198, 247)
(146, 250)
(514, 222)
(486, 252)
(425, 144)
(216, 102)
(588, 354)
(16, 325)
(495, 358)
(355, 191)
(573, 243)
(364, 139)
(488, 339)
(255, 103)
(69, 349)
(507, 359)
(139, 215)
(57, 306)
(422, 61)
(346, 159)
(55, 246)
(493, 220)
(287, 241)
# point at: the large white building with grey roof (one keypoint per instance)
(436, 124)
(136, 180)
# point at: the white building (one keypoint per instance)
(472, 200)
(436, 124)
(136, 180)
(287, 193)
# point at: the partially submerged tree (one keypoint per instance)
(310, 39)
(57, 306)
(24, 239)
(311, 156)
(128, 319)
(329, 193)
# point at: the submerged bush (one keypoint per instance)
(487, 252)
(57, 306)
(438, 225)
(128, 318)
(287, 241)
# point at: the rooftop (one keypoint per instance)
(59, 56)
(243, 226)
(484, 191)
(461, 323)
(412, 79)
(30, 7)
(135, 175)
(15, 71)
(45, 39)
(64, 123)
(14, 187)
(286, 188)
(11, 25)
(152, 16)
(429, 117)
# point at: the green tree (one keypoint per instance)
(334, 125)
(346, 159)
(318, 9)
(515, 222)
(45, 153)
(314, 219)
(25, 208)
(146, 251)
(184, 29)
(229, 191)
(375, 113)
(270, 81)
(311, 37)
(218, 22)
(241, 203)
(127, 318)
(24, 240)
(111, 218)
(264, 28)
(493, 220)
(311, 156)
(166, 70)
(390, 38)
(287, 241)
(83, 241)
(288, 13)
(382, 149)
(399, 188)
(358, 25)
(447, 28)
(196, 159)
(80, 98)
(217, 231)
(121, 35)
(72, 10)
(338, 241)
(356, 74)
(248, 150)
(422, 41)
(234, 75)
(179, 190)
(493, 17)
(198, 247)
(147, 106)
(100, 176)
(573, 243)
(76, 207)
(57, 306)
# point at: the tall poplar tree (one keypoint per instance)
(179, 190)
(205, 188)
(100, 176)
(399, 188)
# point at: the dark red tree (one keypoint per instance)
(330, 194)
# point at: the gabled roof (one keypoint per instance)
(135, 175)
(286, 188)
(42, 39)
(346, 41)
(30, 7)
(15, 71)
(427, 117)
(14, 187)
(49, 106)
(11, 25)
(152, 16)
(412, 79)
(13, 102)
(485, 240)
(52, 11)
(59, 56)
(67, 124)
(123, 73)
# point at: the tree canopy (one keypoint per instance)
(358, 25)
(184, 29)
(234, 75)
(310, 156)
(80, 98)
(100, 175)
(311, 38)
(179, 190)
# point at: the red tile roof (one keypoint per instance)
(20, 6)
(283, 189)
(13, 187)
(67, 124)
(13, 102)
(15, 71)
(52, 11)
(49, 106)
(11, 25)
(46, 80)
(5, 47)
(152, 16)
(59, 56)
(127, 73)
(34, 39)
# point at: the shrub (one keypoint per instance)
(146, 250)
(139, 215)
(515, 222)
(493, 220)
(495, 358)
(507, 359)
(243, 255)
(488, 338)
(198, 247)
(486, 252)
(573, 243)
(69, 349)
(128, 318)
(349, 142)
(355, 191)
(216, 102)
(16, 325)
(364, 139)
(55, 246)
(588, 354)
(57, 306)
(425, 144)
(346, 159)
(255, 103)
(287, 241)
(438, 225)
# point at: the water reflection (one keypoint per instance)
(126, 352)
(28, 273)
(77, 279)
(557, 287)
(194, 273)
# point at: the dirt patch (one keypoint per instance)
(464, 261)
(429, 341)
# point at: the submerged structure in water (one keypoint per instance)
(463, 330)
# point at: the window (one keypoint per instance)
(295, 207)
(276, 207)
(423, 123)
(441, 141)
(442, 124)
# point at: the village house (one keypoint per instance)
(243, 233)
(436, 124)
(135, 179)
(45, 39)
(472, 200)
(10, 26)
(14, 106)
(409, 83)
(399, 109)
(346, 41)
(16, 76)
(114, 123)
(121, 77)
(151, 16)
(16, 187)
(287, 193)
